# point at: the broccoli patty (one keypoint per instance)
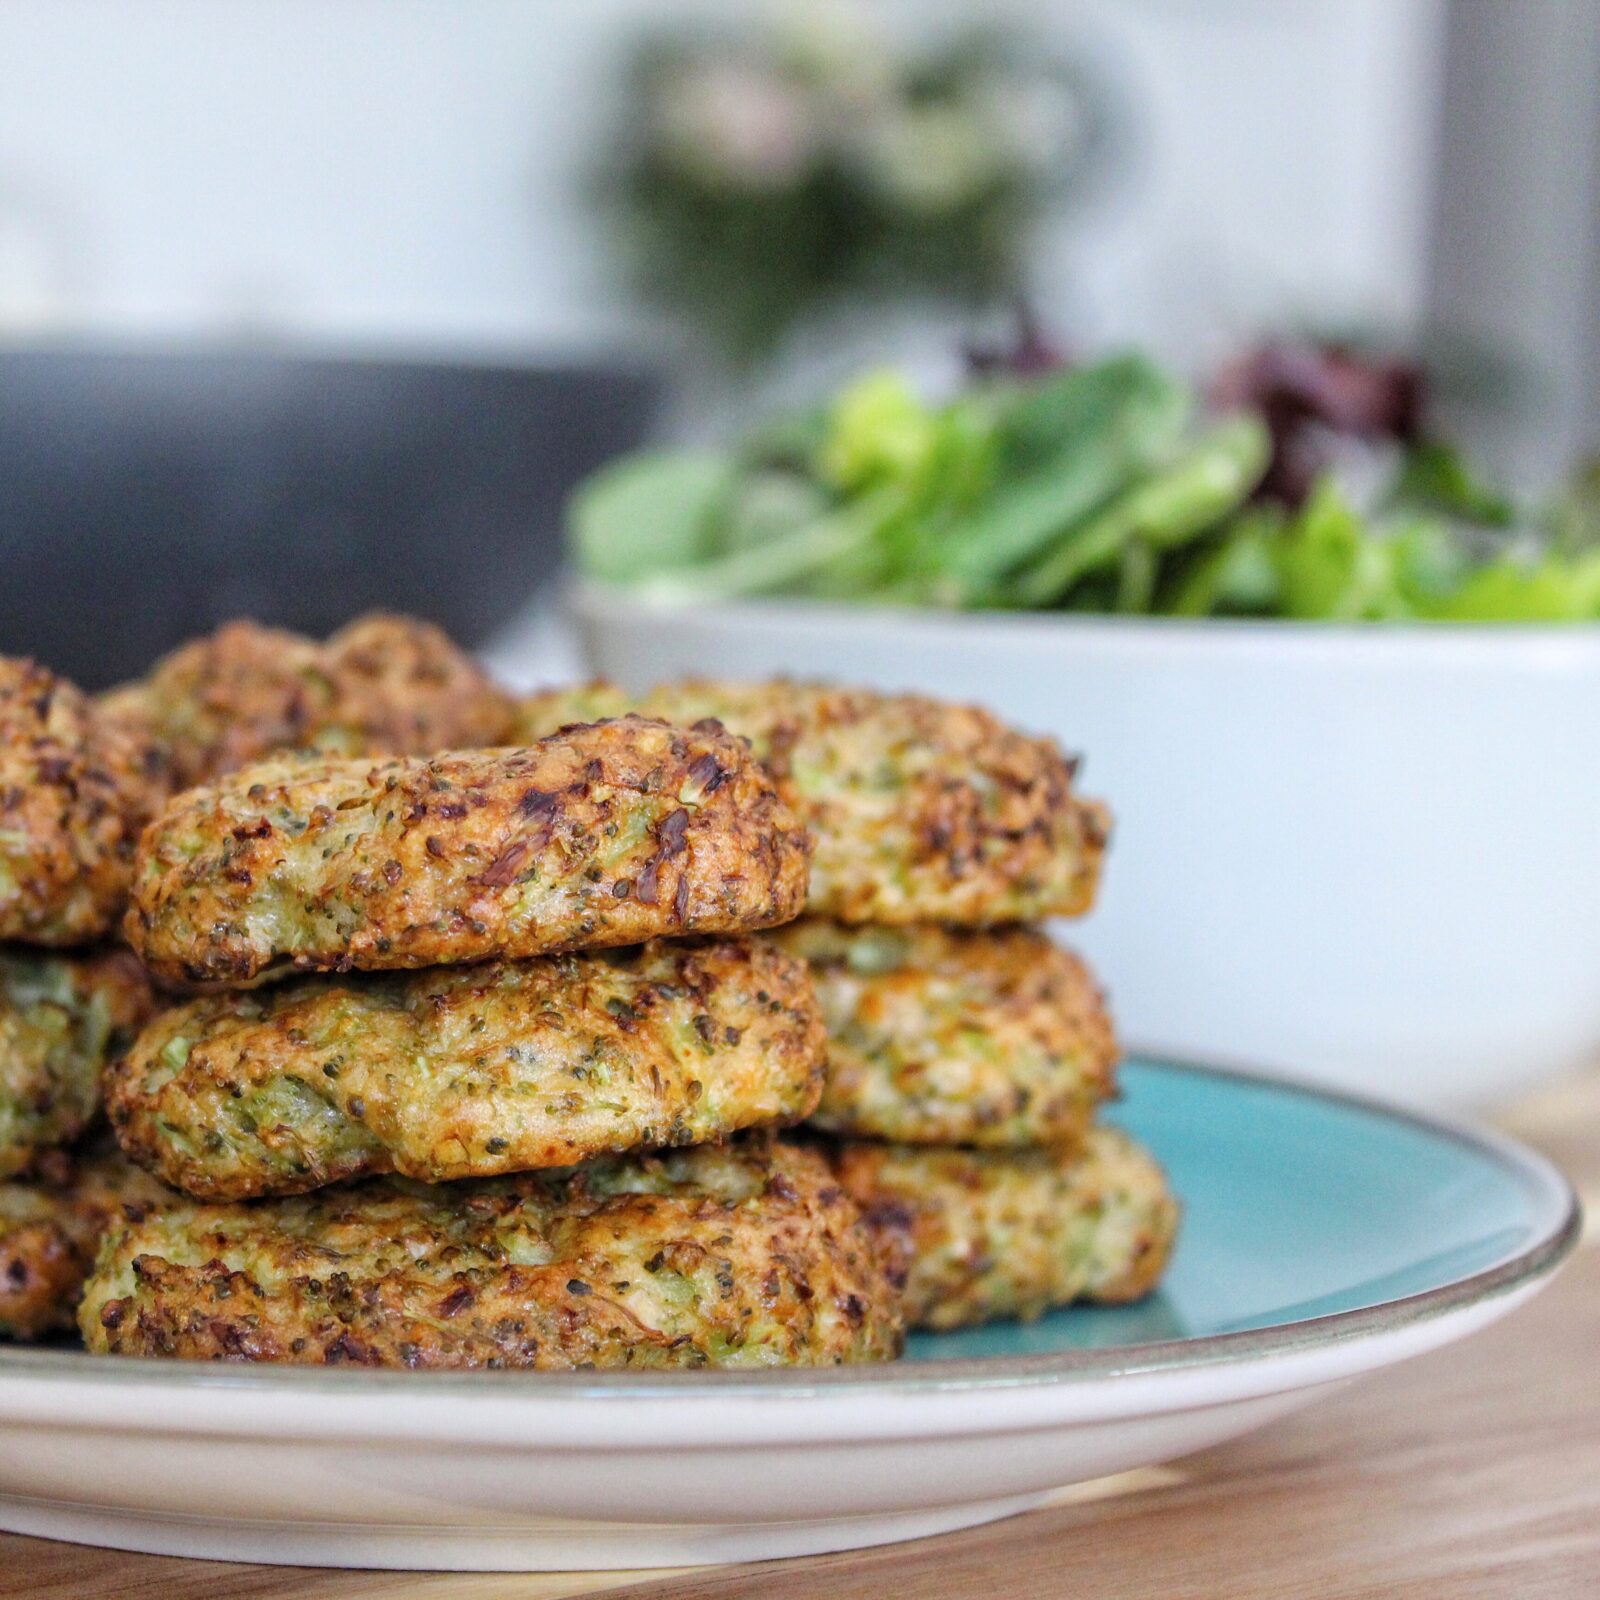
(50, 1227)
(382, 686)
(984, 1234)
(922, 811)
(596, 836)
(413, 691)
(741, 1255)
(76, 788)
(992, 1038)
(469, 1072)
(61, 1018)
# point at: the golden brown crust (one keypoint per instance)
(980, 1235)
(41, 1272)
(604, 835)
(382, 686)
(226, 698)
(62, 1017)
(413, 690)
(738, 1255)
(469, 1072)
(50, 1227)
(996, 1038)
(922, 811)
(75, 790)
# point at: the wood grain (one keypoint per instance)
(1469, 1474)
(1473, 1472)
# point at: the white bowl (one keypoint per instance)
(1367, 853)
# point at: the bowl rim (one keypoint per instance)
(1545, 645)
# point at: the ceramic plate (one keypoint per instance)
(1324, 1238)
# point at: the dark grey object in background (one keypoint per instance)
(145, 497)
(1515, 237)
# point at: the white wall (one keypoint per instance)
(1286, 168)
(411, 170)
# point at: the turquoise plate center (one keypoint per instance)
(1295, 1206)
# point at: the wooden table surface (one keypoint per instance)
(1474, 1472)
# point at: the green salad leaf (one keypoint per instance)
(1099, 488)
(653, 510)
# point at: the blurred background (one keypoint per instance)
(1010, 350)
(308, 305)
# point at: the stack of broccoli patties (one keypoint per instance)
(79, 779)
(967, 1053)
(75, 790)
(478, 1025)
(485, 1069)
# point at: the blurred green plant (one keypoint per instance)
(759, 175)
